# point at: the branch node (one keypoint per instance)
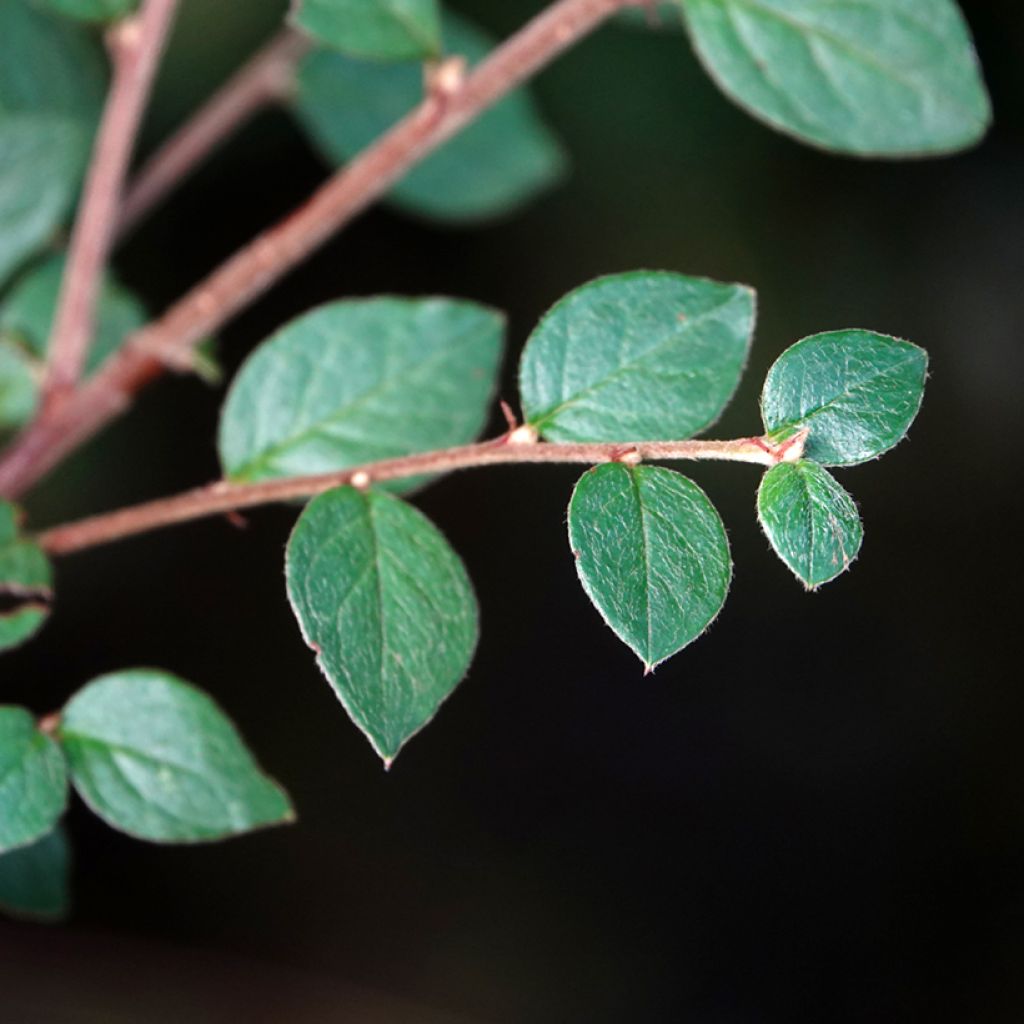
(49, 724)
(627, 456)
(360, 480)
(444, 78)
(523, 435)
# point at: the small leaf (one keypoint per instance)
(34, 879)
(33, 780)
(93, 10)
(636, 357)
(358, 381)
(25, 582)
(386, 605)
(812, 523)
(374, 29)
(651, 553)
(856, 391)
(51, 88)
(26, 317)
(497, 163)
(156, 758)
(875, 77)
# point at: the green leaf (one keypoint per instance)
(19, 385)
(358, 381)
(33, 780)
(93, 10)
(651, 553)
(636, 357)
(386, 605)
(25, 582)
(34, 879)
(497, 163)
(156, 758)
(810, 521)
(872, 77)
(51, 88)
(374, 29)
(857, 393)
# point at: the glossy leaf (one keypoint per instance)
(33, 780)
(875, 77)
(497, 163)
(25, 582)
(374, 29)
(386, 605)
(810, 521)
(857, 393)
(93, 10)
(635, 357)
(361, 380)
(51, 87)
(156, 758)
(651, 553)
(26, 316)
(34, 879)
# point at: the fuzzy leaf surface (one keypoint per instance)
(386, 605)
(871, 77)
(25, 582)
(390, 30)
(156, 758)
(34, 879)
(51, 88)
(33, 780)
(652, 555)
(494, 165)
(857, 392)
(361, 380)
(810, 521)
(640, 356)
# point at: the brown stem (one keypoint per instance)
(517, 447)
(135, 47)
(267, 78)
(252, 270)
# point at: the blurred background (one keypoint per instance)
(815, 813)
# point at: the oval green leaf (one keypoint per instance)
(857, 392)
(35, 879)
(810, 521)
(643, 356)
(25, 582)
(51, 88)
(876, 77)
(494, 165)
(157, 759)
(652, 555)
(93, 10)
(33, 780)
(373, 29)
(358, 381)
(386, 605)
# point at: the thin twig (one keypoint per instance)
(135, 47)
(225, 497)
(250, 272)
(267, 78)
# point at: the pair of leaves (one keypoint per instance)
(26, 316)
(497, 163)
(151, 755)
(51, 89)
(876, 78)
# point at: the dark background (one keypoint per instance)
(815, 813)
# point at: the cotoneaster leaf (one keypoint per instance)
(386, 605)
(33, 780)
(156, 758)
(641, 356)
(93, 10)
(358, 381)
(871, 77)
(810, 521)
(651, 553)
(391, 30)
(34, 879)
(25, 582)
(856, 392)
